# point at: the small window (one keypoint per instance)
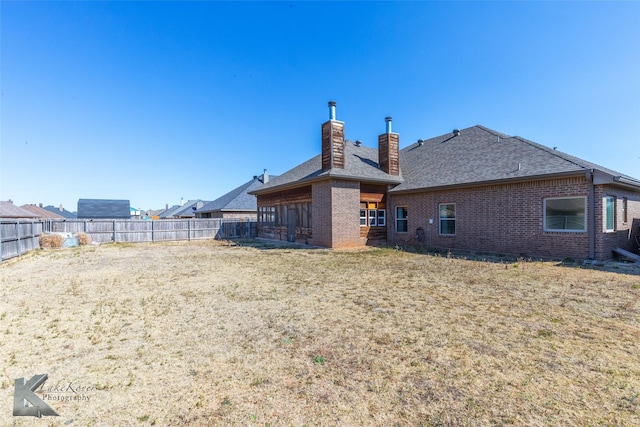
(363, 217)
(448, 219)
(610, 213)
(381, 218)
(565, 214)
(402, 223)
(625, 218)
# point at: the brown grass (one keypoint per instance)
(209, 333)
(49, 241)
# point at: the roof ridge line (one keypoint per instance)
(556, 153)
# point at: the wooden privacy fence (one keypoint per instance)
(128, 230)
(18, 237)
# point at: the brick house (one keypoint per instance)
(474, 189)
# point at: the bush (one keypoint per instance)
(48, 241)
(84, 239)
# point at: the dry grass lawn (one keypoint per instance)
(213, 333)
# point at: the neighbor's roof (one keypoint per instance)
(186, 210)
(480, 155)
(103, 208)
(60, 211)
(9, 210)
(361, 163)
(237, 199)
(41, 212)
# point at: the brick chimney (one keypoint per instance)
(389, 150)
(332, 141)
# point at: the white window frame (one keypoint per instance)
(363, 219)
(382, 219)
(454, 219)
(606, 214)
(558, 230)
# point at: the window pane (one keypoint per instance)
(448, 226)
(381, 218)
(610, 213)
(402, 224)
(372, 217)
(565, 214)
(363, 217)
(447, 211)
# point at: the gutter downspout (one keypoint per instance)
(592, 215)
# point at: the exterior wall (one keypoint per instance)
(625, 232)
(282, 201)
(230, 215)
(505, 219)
(335, 213)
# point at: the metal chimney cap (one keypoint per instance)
(387, 119)
(332, 103)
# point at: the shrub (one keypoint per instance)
(48, 241)
(84, 238)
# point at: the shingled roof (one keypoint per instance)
(41, 212)
(103, 209)
(479, 155)
(9, 210)
(361, 164)
(237, 199)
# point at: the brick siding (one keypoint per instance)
(505, 219)
(335, 214)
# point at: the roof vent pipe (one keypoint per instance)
(420, 142)
(388, 120)
(456, 132)
(332, 110)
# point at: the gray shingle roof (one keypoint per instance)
(361, 163)
(479, 155)
(103, 209)
(64, 213)
(237, 199)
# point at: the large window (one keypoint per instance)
(372, 214)
(610, 213)
(267, 215)
(447, 217)
(402, 223)
(565, 214)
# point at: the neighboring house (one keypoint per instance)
(103, 209)
(61, 211)
(238, 203)
(472, 190)
(186, 210)
(9, 210)
(41, 212)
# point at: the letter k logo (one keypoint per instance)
(24, 392)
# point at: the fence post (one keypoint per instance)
(18, 235)
(114, 231)
(153, 237)
(189, 229)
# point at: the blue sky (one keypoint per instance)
(154, 101)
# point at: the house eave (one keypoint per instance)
(324, 177)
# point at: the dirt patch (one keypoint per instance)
(214, 333)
